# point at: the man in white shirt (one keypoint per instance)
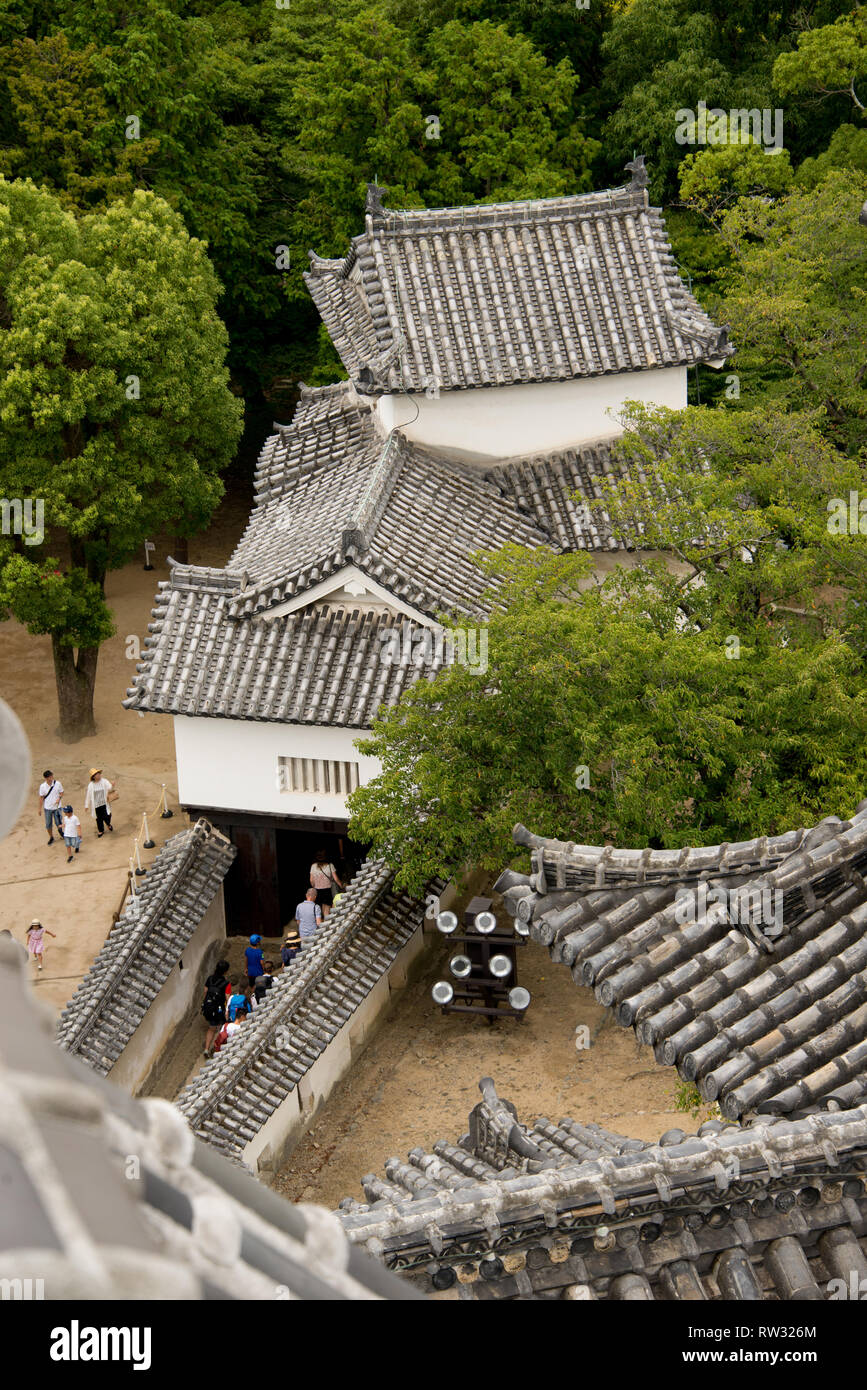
(50, 792)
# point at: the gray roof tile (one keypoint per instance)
(82, 1223)
(499, 294)
(759, 999)
(144, 946)
(236, 1091)
(773, 1210)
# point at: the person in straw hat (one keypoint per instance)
(35, 933)
(98, 800)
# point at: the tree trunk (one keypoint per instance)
(181, 550)
(75, 678)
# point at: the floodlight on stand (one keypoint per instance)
(460, 966)
(519, 998)
(442, 992)
(522, 928)
(500, 966)
(485, 922)
(447, 922)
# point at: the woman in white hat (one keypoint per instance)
(98, 800)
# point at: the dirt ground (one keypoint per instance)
(136, 752)
(417, 1080)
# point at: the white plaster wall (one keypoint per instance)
(507, 421)
(175, 1005)
(282, 1130)
(232, 764)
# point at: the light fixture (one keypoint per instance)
(442, 992)
(460, 966)
(485, 922)
(519, 998)
(500, 966)
(447, 922)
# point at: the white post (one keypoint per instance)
(147, 841)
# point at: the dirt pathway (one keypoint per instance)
(76, 901)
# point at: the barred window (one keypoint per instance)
(322, 775)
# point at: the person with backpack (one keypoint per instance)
(228, 1031)
(214, 1003)
(236, 1003)
(323, 877)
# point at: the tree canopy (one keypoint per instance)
(719, 700)
(114, 402)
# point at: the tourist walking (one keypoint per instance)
(35, 933)
(323, 877)
(236, 1003)
(253, 956)
(291, 946)
(214, 1003)
(50, 792)
(71, 833)
(264, 982)
(228, 1031)
(308, 915)
(100, 794)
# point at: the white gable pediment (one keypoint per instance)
(349, 587)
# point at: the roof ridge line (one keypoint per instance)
(143, 922)
(368, 510)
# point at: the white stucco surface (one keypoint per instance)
(537, 418)
(232, 764)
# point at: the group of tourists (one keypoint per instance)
(98, 797)
(60, 817)
(228, 1001)
(320, 897)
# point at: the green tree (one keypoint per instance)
(713, 179)
(114, 405)
(829, 60)
(672, 704)
(797, 301)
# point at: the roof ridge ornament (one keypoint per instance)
(374, 205)
(640, 177)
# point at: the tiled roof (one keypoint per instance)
(555, 491)
(332, 495)
(754, 985)
(82, 1222)
(320, 665)
(774, 1210)
(237, 1090)
(144, 946)
(500, 294)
